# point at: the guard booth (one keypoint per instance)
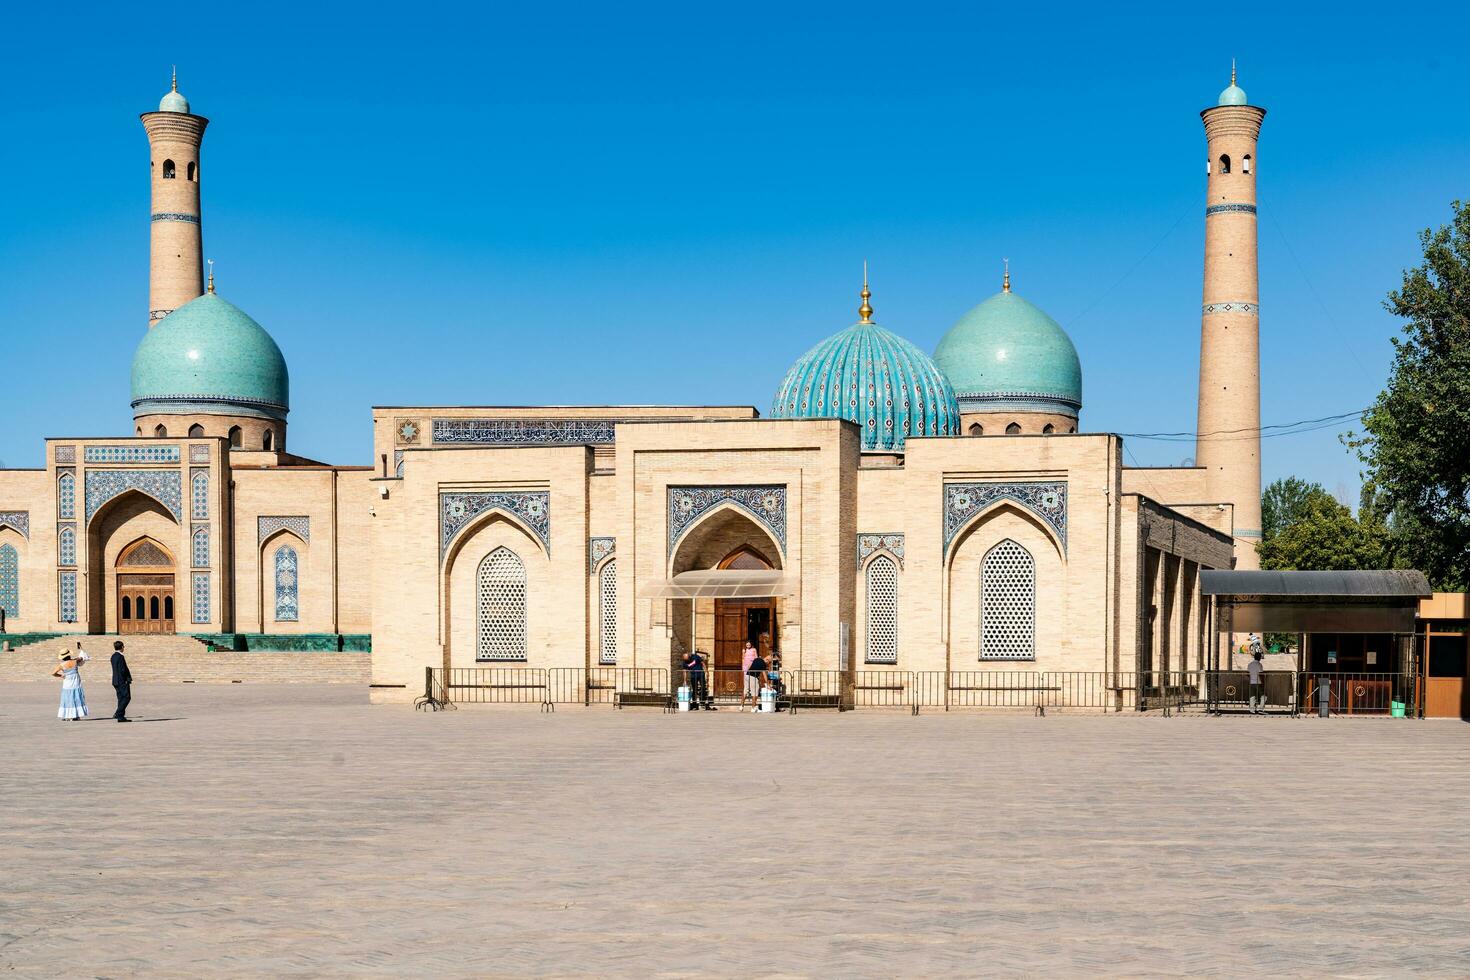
(1444, 626)
(1355, 634)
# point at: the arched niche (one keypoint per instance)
(118, 525)
(1005, 521)
(273, 574)
(726, 537)
(490, 531)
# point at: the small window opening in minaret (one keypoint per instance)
(269, 441)
(1048, 429)
(196, 431)
(192, 170)
(1014, 429)
(168, 170)
(1224, 163)
(160, 432)
(976, 429)
(1245, 165)
(235, 436)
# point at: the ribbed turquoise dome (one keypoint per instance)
(207, 354)
(173, 102)
(1234, 95)
(873, 377)
(1008, 355)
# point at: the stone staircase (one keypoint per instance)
(172, 659)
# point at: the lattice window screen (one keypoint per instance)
(1008, 603)
(201, 547)
(66, 496)
(500, 607)
(882, 633)
(288, 594)
(66, 546)
(607, 592)
(10, 580)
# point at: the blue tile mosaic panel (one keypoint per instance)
(10, 580)
(962, 501)
(66, 593)
(1228, 208)
(524, 432)
(162, 485)
(530, 507)
(597, 550)
(66, 544)
(1253, 309)
(199, 546)
(130, 454)
(199, 494)
(66, 495)
(766, 504)
(18, 521)
(287, 592)
(198, 453)
(66, 454)
(266, 526)
(200, 604)
(891, 542)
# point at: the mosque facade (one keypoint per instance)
(892, 510)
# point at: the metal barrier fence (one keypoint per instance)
(793, 690)
(1359, 694)
(618, 686)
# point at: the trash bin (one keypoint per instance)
(768, 700)
(1396, 709)
(683, 697)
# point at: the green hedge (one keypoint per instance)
(17, 640)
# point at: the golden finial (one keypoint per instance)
(176, 77)
(865, 311)
(1232, 71)
(1005, 285)
(211, 275)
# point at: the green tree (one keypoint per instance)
(1284, 502)
(1325, 535)
(1416, 439)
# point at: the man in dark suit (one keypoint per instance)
(122, 681)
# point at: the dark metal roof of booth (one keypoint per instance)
(1378, 584)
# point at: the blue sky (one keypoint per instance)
(565, 204)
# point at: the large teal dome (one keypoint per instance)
(1008, 355)
(207, 355)
(873, 377)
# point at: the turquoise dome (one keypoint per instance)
(1008, 355)
(173, 102)
(1234, 95)
(208, 355)
(873, 377)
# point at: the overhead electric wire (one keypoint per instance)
(1263, 432)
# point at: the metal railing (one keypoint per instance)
(1359, 694)
(1216, 691)
(617, 686)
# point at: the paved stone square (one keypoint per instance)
(253, 830)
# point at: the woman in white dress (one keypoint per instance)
(73, 699)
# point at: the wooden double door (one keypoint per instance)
(738, 621)
(145, 603)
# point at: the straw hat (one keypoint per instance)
(64, 655)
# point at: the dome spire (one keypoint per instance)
(176, 78)
(865, 311)
(211, 275)
(1005, 284)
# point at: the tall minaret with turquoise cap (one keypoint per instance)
(176, 255)
(1228, 446)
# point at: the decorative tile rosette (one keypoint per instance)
(1048, 501)
(531, 507)
(766, 504)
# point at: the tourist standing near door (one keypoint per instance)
(752, 687)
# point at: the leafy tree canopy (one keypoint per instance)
(1416, 439)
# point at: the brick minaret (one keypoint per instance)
(1229, 444)
(176, 256)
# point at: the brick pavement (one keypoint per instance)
(251, 830)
